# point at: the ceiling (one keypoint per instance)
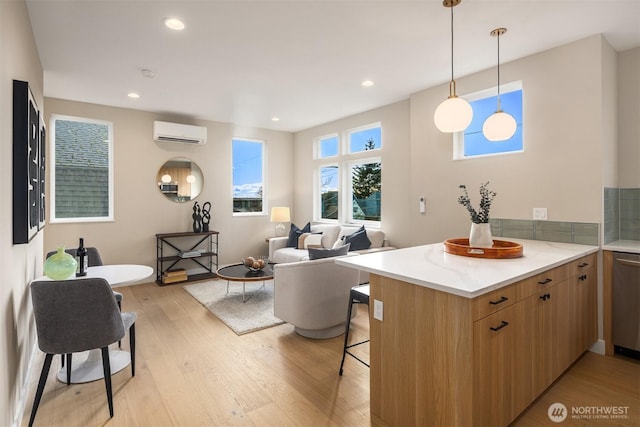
(303, 61)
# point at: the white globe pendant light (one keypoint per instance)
(499, 126)
(453, 114)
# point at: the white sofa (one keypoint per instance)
(279, 252)
(313, 295)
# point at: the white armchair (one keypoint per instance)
(313, 296)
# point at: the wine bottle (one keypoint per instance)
(82, 259)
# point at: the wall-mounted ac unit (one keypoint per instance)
(176, 132)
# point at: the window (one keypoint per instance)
(329, 193)
(473, 143)
(356, 196)
(328, 146)
(248, 176)
(366, 138)
(82, 178)
(366, 191)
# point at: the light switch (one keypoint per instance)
(377, 309)
(422, 205)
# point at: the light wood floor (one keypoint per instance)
(191, 370)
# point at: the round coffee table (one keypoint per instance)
(240, 273)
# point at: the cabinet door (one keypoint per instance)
(586, 316)
(498, 357)
(557, 331)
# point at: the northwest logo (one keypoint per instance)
(557, 412)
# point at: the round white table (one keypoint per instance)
(87, 366)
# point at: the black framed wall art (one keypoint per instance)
(26, 164)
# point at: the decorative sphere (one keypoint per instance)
(60, 265)
(453, 115)
(499, 126)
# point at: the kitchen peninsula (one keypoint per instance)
(467, 341)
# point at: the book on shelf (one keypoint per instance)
(175, 272)
(190, 254)
(174, 277)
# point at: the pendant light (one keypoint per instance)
(454, 114)
(499, 126)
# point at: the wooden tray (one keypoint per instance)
(501, 249)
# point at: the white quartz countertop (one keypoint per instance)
(432, 267)
(632, 246)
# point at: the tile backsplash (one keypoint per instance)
(621, 214)
(583, 233)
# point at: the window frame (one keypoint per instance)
(458, 137)
(264, 210)
(345, 161)
(349, 132)
(53, 219)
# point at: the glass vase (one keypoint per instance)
(60, 265)
(480, 236)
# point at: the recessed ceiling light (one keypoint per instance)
(367, 83)
(174, 24)
(275, 119)
(133, 95)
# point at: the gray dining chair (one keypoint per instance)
(73, 316)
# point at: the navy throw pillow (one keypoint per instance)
(328, 253)
(359, 240)
(295, 233)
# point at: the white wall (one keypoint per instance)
(18, 263)
(395, 155)
(629, 118)
(561, 167)
(569, 149)
(141, 210)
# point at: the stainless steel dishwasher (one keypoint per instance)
(626, 304)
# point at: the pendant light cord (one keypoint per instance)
(499, 106)
(451, 42)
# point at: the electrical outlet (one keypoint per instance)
(377, 309)
(540, 213)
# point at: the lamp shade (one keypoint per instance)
(453, 115)
(166, 178)
(280, 214)
(191, 179)
(499, 126)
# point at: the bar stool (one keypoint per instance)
(357, 295)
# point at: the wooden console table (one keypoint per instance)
(199, 248)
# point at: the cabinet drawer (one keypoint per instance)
(582, 265)
(493, 301)
(541, 281)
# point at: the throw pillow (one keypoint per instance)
(359, 240)
(338, 244)
(295, 232)
(313, 240)
(309, 239)
(327, 253)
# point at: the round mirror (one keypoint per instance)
(180, 180)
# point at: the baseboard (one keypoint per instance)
(24, 390)
(598, 347)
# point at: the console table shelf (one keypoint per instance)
(169, 246)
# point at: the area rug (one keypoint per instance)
(254, 314)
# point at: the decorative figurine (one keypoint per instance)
(197, 218)
(206, 216)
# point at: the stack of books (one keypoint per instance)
(176, 275)
(190, 254)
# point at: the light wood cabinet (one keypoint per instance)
(441, 359)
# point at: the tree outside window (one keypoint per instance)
(366, 188)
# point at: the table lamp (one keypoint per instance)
(280, 215)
